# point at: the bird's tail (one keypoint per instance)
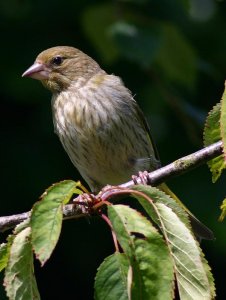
(200, 230)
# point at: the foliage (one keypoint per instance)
(215, 129)
(176, 68)
(223, 208)
(46, 218)
(152, 263)
(148, 266)
(19, 279)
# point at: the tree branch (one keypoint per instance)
(178, 167)
(181, 166)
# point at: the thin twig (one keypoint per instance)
(156, 177)
(9, 222)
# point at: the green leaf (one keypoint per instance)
(215, 130)
(192, 272)
(152, 268)
(223, 208)
(136, 43)
(211, 135)
(46, 218)
(111, 278)
(4, 255)
(19, 278)
(212, 126)
(5, 247)
(176, 57)
(209, 276)
(21, 226)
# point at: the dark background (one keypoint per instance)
(170, 53)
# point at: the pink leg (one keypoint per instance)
(142, 178)
(85, 202)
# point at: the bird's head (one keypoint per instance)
(59, 67)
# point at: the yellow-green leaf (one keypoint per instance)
(192, 272)
(19, 281)
(4, 255)
(223, 210)
(46, 217)
(211, 135)
(152, 267)
(111, 278)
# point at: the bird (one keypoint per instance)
(98, 121)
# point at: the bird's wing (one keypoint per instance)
(146, 127)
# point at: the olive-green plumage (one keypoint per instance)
(96, 118)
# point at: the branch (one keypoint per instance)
(180, 166)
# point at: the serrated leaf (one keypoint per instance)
(209, 276)
(21, 226)
(4, 255)
(111, 278)
(5, 247)
(164, 195)
(151, 263)
(211, 135)
(46, 218)
(192, 272)
(223, 208)
(5, 250)
(19, 278)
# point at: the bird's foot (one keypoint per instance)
(85, 202)
(142, 178)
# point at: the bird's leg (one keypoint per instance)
(85, 202)
(142, 178)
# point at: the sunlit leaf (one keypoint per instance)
(211, 135)
(5, 247)
(152, 268)
(46, 218)
(111, 278)
(223, 210)
(192, 274)
(19, 278)
(21, 226)
(4, 255)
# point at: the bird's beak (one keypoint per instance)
(37, 71)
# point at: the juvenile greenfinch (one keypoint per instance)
(100, 125)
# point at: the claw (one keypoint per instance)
(85, 202)
(142, 178)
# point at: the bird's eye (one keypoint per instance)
(57, 60)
